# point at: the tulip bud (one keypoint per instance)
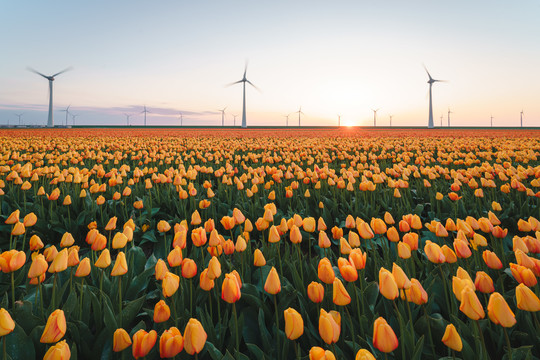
(451, 338)
(60, 262)
(258, 258)
(119, 240)
(36, 243)
(121, 340)
(499, 312)
(194, 337)
(315, 292)
(170, 284)
(175, 257)
(325, 272)
(120, 265)
(230, 289)
(205, 282)
(58, 351)
(7, 325)
(38, 267)
(214, 268)
(55, 329)
(30, 220)
(143, 342)
(103, 261)
(162, 312)
(470, 305)
(404, 250)
(387, 284)
(160, 269)
(401, 278)
(491, 260)
(272, 284)
(171, 343)
(318, 353)
(340, 295)
(434, 253)
(483, 282)
(329, 326)
(384, 338)
(189, 268)
(526, 299)
(294, 324)
(84, 268)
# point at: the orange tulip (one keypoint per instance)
(36, 243)
(365, 231)
(13, 218)
(449, 254)
(358, 259)
(214, 268)
(315, 292)
(59, 351)
(162, 312)
(462, 249)
(194, 337)
(30, 220)
(119, 240)
(523, 275)
(230, 289)
(160, 269)
(171, 343)
(526, 299)
(294, 324)
(451, 338)
(198, 236)
(364, 354)
(272, 284)
(378, 226)
(84, 268)
(411, 239)
(205, 282)
(120, 265)
(470, 305)
(12, 260)
(400, 277)
(7, 325)
(121, 340)
(325, 272)
(329, 326)
(103, 261)
(347, 270)
(258, 258)
(499, 312)
(175, 257)
(434, 253)
(111, 225)
(384, 338)
(491, 260)
(38, 267)
(170, 284)
(387, 284)
(143, 342)
(340, 295)
(404, 250)
(18, 229)
(415, 293)
(55, 329)
(318, 353)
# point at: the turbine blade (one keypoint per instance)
(250, 83)
(63, 71)
(425, 68)
(37, 72)
(234, 83)
(245, 68)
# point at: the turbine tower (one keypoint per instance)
(234, 120)
(223, 116)
(390, 120)
(50, 120)
(299, 112)
(127, 118)
(430, 82)
(244, 80)
(286, 120)
(441, 119)
(145, 112)
(67, 113)
(491, 120)
(375, 116)
(181, 117)
(19, 116)
(339, 120)
(449, 112)
(73, 116)
(521, 117)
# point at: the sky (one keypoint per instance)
(328, 57)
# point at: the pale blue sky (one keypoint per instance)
(329, 57)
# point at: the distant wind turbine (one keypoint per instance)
(449, 112)
(223, 116)
(73, 116)
(299, 112)
(521, 117)
(431, 81)
(19, 116)
(181, 117)
(339, 120)
(441, 119)
(390, 120)
(67, 113)
(50, 120)
(286, 120)
(145, 112)
(375, 116)
(127, 118)
(234, 120)
(244, 80)
(491, 120)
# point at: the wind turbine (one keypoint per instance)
(339, 120)
(73, 116)
(521, 117)
(19, 116)
(244, 80)
(286, 120)
(491, 120)
(449, 112)
(390, 120)
(431, 81)
(375, 117)
(234, 120)
(223, 116)
(127, 118)
(441, 119)
(145, 111)
(181, 117)
(67, 112)
(50, 120)
(299, 112)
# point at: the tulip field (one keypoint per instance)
(279, 244)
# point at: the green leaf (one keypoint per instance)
(255, 351)
(19, 345)
(108, 316)
(131, 310)
(215, 354)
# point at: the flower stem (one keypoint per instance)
(277, 328)
(236, 328)
(508, 343)
(120, 300)
(12, 290)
